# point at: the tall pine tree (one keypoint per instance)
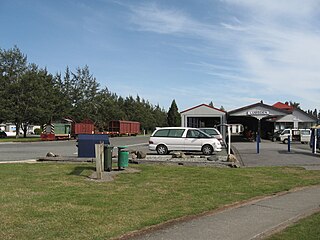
(174, 118)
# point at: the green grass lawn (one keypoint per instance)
(20, 139)
(57, 201)
(306, 229)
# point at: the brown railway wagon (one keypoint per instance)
(82, 128)
(119, 127)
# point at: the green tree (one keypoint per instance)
(84, 92)
(30, 94)
(315, 113)
(160, 116)
(65, 89)
(294, 104)
(79, 91)
(34, 96)
(62, 106)
(39, 97)
(174, 118)
(13, 64)
(108, 108)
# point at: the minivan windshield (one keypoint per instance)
(206, 134)
(285, 132)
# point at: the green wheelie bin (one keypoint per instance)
(123, 157)
(108, 157)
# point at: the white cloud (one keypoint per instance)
(150, 17)
(276, 8)
(275, 44)
(233, 27)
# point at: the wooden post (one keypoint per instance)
(99, 159)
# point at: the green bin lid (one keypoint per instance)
(122, 147)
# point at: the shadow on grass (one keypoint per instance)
(79, 169)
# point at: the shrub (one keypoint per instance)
(37, 131)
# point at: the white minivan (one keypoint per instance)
(164, 140)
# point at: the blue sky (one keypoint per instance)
(231, 52)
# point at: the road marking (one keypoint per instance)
(7, 142)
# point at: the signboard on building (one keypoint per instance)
(259, 114)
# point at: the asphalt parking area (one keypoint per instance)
(276, 154)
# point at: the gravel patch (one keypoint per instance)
(109, 176)
(216, 160)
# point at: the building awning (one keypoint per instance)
(258, 110)
(288, 118)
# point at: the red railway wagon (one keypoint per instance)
(84, 127)
(118, 127)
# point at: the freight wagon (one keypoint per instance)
(84, 127)
(56, 131)
(119, 128)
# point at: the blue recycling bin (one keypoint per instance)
(86, 144)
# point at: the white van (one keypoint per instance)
(284, 135)
(305, 135)
(164, 140)
(296, 135)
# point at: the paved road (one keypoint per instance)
(249, 221)
(34, 150)
(133, 143)
(276, 154)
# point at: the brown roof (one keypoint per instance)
(283, 106)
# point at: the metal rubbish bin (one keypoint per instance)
(86, 144)
(108, 158)
(123, 157)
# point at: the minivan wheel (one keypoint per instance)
(162, 149)
(285, 141)
(207, 150)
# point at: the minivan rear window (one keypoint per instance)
(161, 133)
(169, 133)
